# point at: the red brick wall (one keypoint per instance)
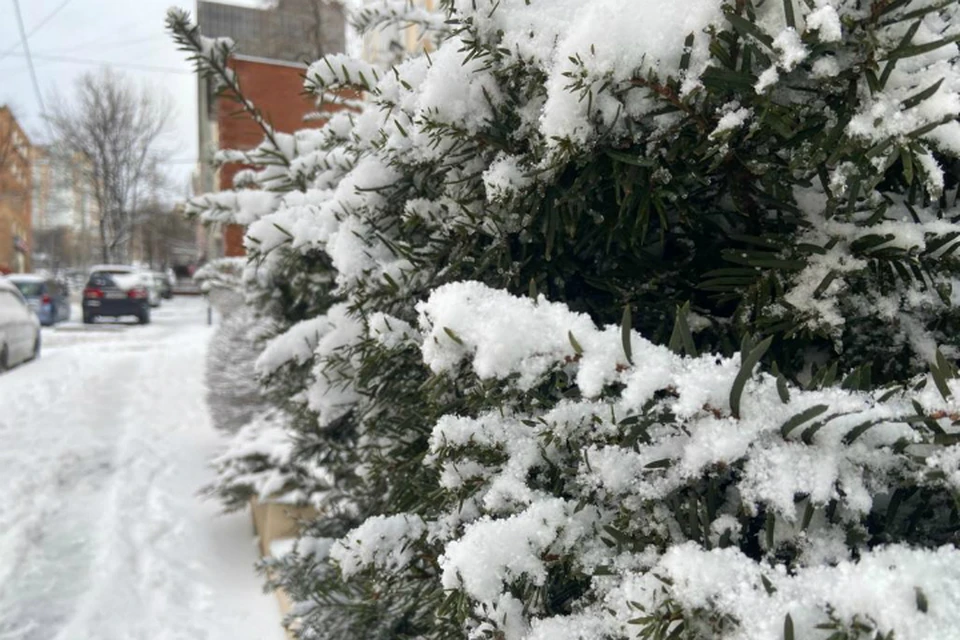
(277, 90)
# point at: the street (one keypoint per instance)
(104, 443)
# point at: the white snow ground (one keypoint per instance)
(103, 445)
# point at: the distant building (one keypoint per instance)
(391, 43)
(16, 234)
(291, 30)
(273, 45)
(66, 219)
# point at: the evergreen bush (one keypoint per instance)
(604, 320)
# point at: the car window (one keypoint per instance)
(30, 289)
(101, 279)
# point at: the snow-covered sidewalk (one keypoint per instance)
(104, 443)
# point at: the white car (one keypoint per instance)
(19, 328)
(154, 294)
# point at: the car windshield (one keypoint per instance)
(30, 289)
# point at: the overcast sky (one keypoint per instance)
(70, 37)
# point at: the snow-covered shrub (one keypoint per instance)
(234, 394)
(258, 463)
(233, 390)
(770, 183)
(666, 490)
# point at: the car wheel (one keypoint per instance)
(4, 359)
(144, 317)
(36, 348)
(88, 318)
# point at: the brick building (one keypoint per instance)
(16, 235)
(272, 48)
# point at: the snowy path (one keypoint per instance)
(103, 446)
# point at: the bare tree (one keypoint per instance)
(114, 127)
(165, 236)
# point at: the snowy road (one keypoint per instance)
(103, 446)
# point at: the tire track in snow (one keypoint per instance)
(105, 444)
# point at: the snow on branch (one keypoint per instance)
(340, 70)
(792, 455)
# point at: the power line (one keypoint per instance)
(100, 45)
(50, 16)
(33, 73)
(107, 63)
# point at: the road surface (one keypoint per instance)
(103, 446)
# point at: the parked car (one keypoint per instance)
(19, 328)
(49, 298)
(154, 296)
(116, 291)
(163, 283)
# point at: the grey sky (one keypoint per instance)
(128, 35)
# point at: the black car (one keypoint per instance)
(116, 291)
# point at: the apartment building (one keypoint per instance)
(16, 233)
(66, 219)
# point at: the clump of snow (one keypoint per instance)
(826, 22)
(257, 461)
(234, 207)
(792, 51)
(494, 553)
(767, 79)
(341, 69)
(884, 587)
(332, 393)
(382, 542)
(932, 173)
(733, 117)
(296, 344)
(826, 67)
(600, 41)
(504, 178)
(522, 336)
(391, 332)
